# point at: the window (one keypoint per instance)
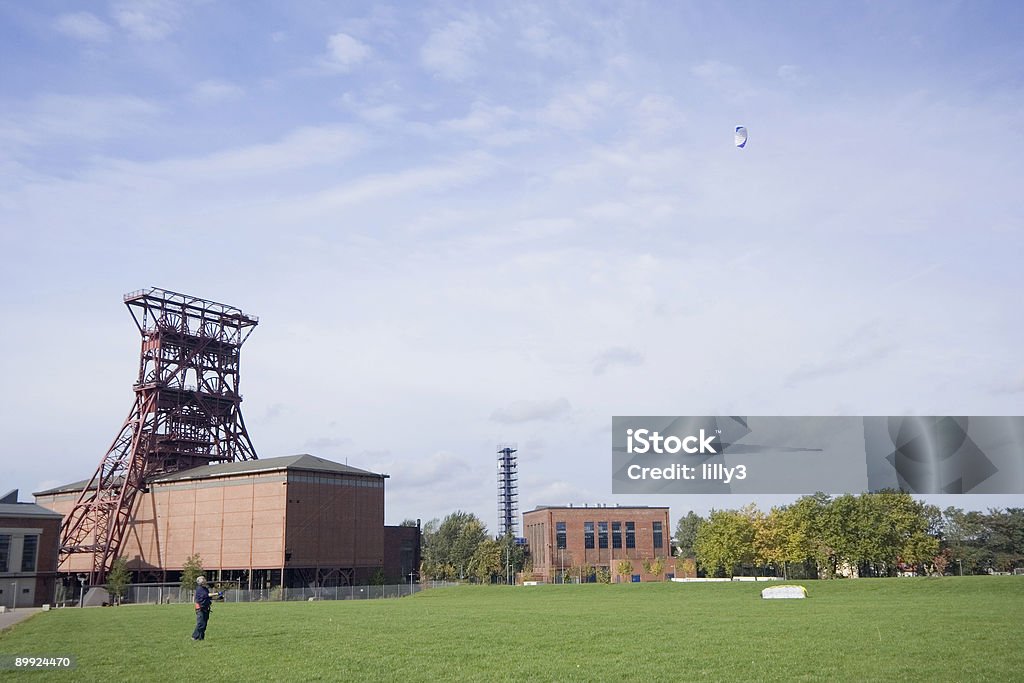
(658, 541)
(630, 534)
(560, 535)
(5, 551)
(616, 535)
(588, 534)
(602, 534)
(28, 553)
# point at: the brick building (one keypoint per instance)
(29, 537)
(402, 553)
(570, 538)
(296, 521)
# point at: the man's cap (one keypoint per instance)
(201, 579)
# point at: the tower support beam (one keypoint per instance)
(186, 414)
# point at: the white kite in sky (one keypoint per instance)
(741, 137)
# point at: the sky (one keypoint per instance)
(466, 224)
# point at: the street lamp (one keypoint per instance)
(14, 595)
(81, 594)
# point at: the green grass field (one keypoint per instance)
(949, 629)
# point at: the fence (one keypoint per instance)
(173, 593)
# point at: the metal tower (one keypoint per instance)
(186, 414)
(508, 506)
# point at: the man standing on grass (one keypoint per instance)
(202, 609)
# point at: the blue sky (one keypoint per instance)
(464, 224)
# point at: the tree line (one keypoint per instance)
(877, 534)
(459, 547)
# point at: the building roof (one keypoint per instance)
(73, 487)
(598, 507)
(302, 461)
(10, 507)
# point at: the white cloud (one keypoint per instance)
(83, 26)
(345, 52)
(544, 492)
(73, 117)
(1010, 386)
(544, 41)
(840, 363)
(715, 71)
(528, 411)
(617, 355)
(214, 90)
(149, 20)
(427, 471)
(482, 118)
(493, 125)
(657, 114)
(724, 78)
(393, 186)
(326, 443)
(792, 74)
(577, 108)
(298, 149)
(452, 52)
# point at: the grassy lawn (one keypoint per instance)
(949, 629)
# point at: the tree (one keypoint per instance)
(806, 533)
(487, 561)
(919, 549)
(686, 568)
(118, 579)
(1004, 537)
(624, 568)
(449, 547)
(962, 533)
(686, 533)
(725, 541)
(840, 532)
(409, 522)
(655, 567)
(771, 545)
(513, 555)
(192, 570)
(900, 529)
(869, 534)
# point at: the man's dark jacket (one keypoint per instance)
(203, 597)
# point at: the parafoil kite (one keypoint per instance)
(741, 137)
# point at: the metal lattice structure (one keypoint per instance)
(508, 504)
(186, 414)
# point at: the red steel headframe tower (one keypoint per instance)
(186, 414)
